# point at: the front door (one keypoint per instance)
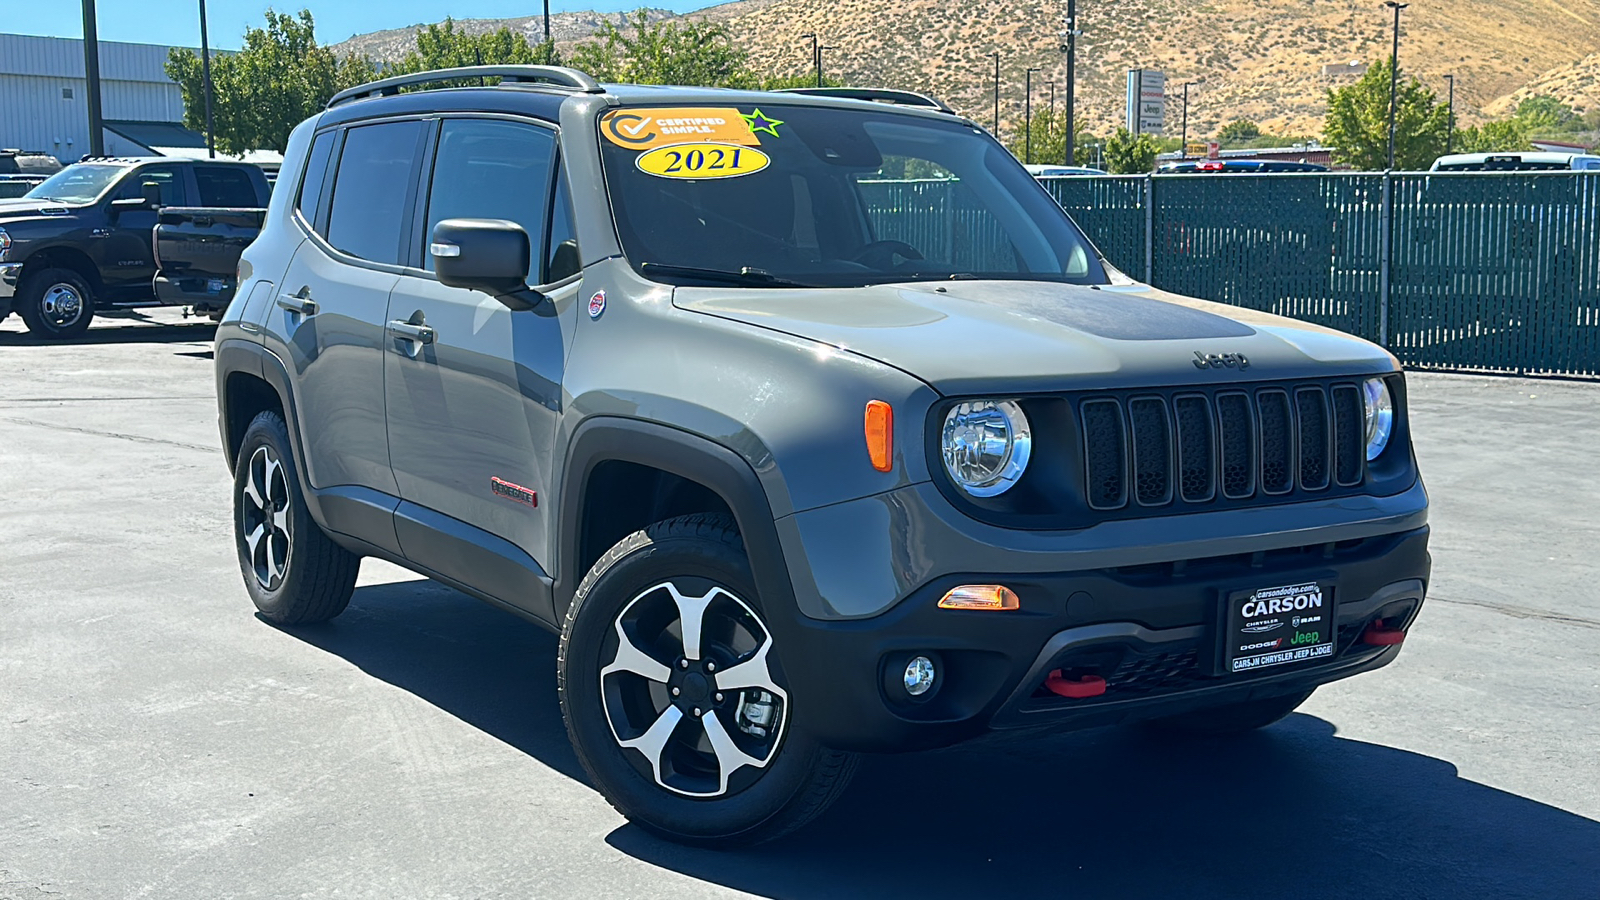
(472, 388)
(127, 262)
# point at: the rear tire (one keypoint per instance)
(55, 304)
(722, 760)
(1233, 719)
(295, 574)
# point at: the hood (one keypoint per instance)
(969, 337)
(28, 209)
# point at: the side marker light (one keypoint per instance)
(880, 435)
(981, 596)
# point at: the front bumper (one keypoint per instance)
(1150, 630)
(10, 276)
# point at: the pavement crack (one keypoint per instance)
(1520, 612)
(138, 438)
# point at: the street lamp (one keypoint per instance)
(1450, 134)
(1183, 151)
(1070, 47)
(819, 63)
(997, 96)
(816, 56)
(91, 77)
(1027, 117)
(1394, 74)
(205, 75)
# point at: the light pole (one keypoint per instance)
(997, 96)
(1183, 152)
(205, 75)
(819, 62)
(91, 75)
(548, 48)
(1027, 118)
(1071, 48)
(816, 56)
(1450, 135)
(1394, 74)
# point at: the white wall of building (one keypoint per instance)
(35, 114)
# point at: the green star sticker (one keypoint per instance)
(759, 122)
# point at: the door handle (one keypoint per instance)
(296, 303)
(422, 334)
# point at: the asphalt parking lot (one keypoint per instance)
(158, 740)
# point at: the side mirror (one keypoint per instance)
(489, 255)
(151, 192)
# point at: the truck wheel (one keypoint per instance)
(674, 695)
(1234, 719)
(56, 304)
(293, 571)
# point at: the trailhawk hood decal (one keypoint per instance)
(1018, 337)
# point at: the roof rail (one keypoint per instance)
(876, 95)
(555, 76)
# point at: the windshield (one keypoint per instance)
(822, 196)
(80, 183)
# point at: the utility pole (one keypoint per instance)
(205, 75)
(816, 56)
(1183, 151)
(91, 75)
(819, 63)
(1071, 47)
(997, 96)
(548, 49)
(1052, 85)
(1394, 74)
(1450, 135)
(1027, 118)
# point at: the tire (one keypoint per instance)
(55, 304)
(295, 574)
(1237, 718)
(740, 772)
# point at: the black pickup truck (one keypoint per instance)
(85, 239)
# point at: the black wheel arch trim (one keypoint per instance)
(614, 438)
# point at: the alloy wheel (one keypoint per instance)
(264, 508)
(690, 690)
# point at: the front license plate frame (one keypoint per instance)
(1287, 625)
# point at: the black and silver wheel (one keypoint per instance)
(674, 697)
(56, 303)
(295, 574)
(1219, 721)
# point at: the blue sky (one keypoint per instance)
(177, 22)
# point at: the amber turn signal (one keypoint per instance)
(981, 596)
(880, 435)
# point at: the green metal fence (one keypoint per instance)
(1486, 271)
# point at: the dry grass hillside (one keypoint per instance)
(1261, 59)
(566, 28)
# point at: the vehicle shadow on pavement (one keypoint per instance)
(133, 333)
(486, 667)
(1122, 813)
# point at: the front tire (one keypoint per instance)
(295, 574)
(674, 696)
(1236, 718)
(56, 304)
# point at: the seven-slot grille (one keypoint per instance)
(1231, 444)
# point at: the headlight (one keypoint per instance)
(5, 244)
(986, 445)
(1380, 415)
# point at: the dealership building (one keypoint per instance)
(44, 106)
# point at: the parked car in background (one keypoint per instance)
(1516, 162)
(28, 162)
(1238, 167)
(82, 240)
(14, 186)
(1039, 171)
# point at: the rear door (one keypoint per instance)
(472, 413)
(329, 313)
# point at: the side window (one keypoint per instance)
(307, 202)
(491, 169)
(369, 190)
(563, 261)
(170, 179)
(224, 186)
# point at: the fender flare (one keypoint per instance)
(236, 356)
(614, 438)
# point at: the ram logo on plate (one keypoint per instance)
(701, 161)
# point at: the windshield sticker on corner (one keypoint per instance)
(759, 122)
(702, 161)
(646, 129)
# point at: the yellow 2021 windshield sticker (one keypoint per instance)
(648, 128)
(702, 161)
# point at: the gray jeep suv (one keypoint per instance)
(810, 423)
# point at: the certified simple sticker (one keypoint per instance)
(702, 161)
(597, 304)
(647, 128)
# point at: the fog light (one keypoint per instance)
(980, 596)
(919, 676)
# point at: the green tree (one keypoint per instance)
(1357, 125)
(1238, 133)
(802, 80)
(1049, 138)
(280, 78)
(444, 46)
(1130, 154)
(641, 52)
(1493, 137)
(1543, 114)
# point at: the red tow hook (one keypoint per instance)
(1380, 635)
(1087, 686)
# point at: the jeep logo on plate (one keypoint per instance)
(1220, 361)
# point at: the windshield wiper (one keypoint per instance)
(749, 275)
